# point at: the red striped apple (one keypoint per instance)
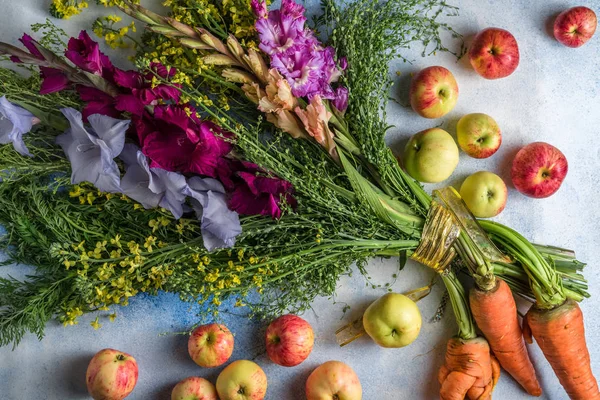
(494, 53)
(575, 26)
(111, 375)
(210, 345)
(433, 92)
(478, 135)
(484, 193)
(539, 169)
(289, 340)
(194, 388)
(242, 380)
(333, 380)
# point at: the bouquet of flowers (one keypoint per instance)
(244, 161)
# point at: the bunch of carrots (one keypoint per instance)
(554, 320)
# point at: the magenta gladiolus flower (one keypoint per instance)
(53, 80)
(86, 54)
(176, 142)
(254, 192)
(137, 90)
(97, 102)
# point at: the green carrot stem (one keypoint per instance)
(545, 282)
(460, 305)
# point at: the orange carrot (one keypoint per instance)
(560, 334)
(470, 371)
(495, 312)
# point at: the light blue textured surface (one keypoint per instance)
(554, 96)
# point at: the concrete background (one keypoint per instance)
(554, 96)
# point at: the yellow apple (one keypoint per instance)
(484, 193)
(431, 156)
(242, 380)
(392, 321)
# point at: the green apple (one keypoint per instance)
(478, 135)
(431, 156)
(484, 193)
(242, 380)
(392, 321)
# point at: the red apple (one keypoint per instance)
(539, 169)
(194, 388)
(575, 26)
(111, 375)
(210, 345)
(494, 53)
(433, 92)
(290, 340)
(333, 380)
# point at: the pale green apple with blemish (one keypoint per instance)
(478, 135)
(485, 194)
(194, 388)
(431, 156)
(393, 321)
(242, 380)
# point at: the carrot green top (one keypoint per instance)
(545, 282)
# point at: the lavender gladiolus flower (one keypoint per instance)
(152, 187)
(220, 226)
(15, 121)
(91, 151)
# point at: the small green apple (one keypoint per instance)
(431, 156)
(478, 135)
(484, 193)
(392, 321)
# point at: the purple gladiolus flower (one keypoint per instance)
(219, 225)
(259, 7)
(85, 54)
(15, 121)
(341, 99)
(91, 151)
(279, 32)
(304, 70)
(295, 51)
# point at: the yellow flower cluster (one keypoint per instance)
(65, 9)
(114, 36)
(119, 271)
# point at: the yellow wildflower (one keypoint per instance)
(95, 324)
